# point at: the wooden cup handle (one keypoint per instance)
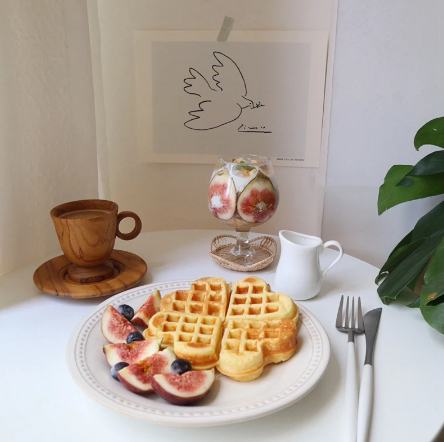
(135, 231)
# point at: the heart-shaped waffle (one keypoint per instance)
(193, 337)
(207, 296)
(248, 346)
(258, 326)
(252, 298)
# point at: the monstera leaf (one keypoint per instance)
(420, 254)
(396, 257)
(411, 255)
(406, 183)
(409, 269)
(430, 165)
(431, 223)
(432, 293)
(398, 187)
(431, 133)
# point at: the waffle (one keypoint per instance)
(207, 296)
(260, 326)
(248, 346)
(251, 298)
(193, 337)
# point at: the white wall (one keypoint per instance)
(387, 82)
(173, 196)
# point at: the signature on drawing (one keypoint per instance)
(253, 129)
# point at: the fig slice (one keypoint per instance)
(147, 310)
(183, 389)
(131, 353)
(115, 327)
(258, 201)
(138, 377)
(222, 196)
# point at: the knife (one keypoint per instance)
(371, 323)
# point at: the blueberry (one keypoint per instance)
(126, 310)
(180, 366)
(116, 368)
(134, 336)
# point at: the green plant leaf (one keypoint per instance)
(429, 224)
(436, 267)
(415, 303)
(432, 223)
(431, 133)
(404, 241)
(432, 293)
(429, 165)
(434, 315)
(394, 176)
(391, 194)
(407, 296)
(396, 257)
(408, 269)
(384, 270)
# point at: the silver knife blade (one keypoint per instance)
(371, 323)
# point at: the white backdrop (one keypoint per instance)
(67, 117)
(173, 196)
(47, 130)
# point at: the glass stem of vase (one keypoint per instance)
(242, 247)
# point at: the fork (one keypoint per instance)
(351, 383)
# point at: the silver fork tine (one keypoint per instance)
(353, 313)
(339, 317)
(346, 313)
(360, 319)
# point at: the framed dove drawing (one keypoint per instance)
(260, 92)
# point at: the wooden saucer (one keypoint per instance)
(52, 277)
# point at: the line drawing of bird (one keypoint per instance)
(222, 102)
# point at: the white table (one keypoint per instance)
(40, 401)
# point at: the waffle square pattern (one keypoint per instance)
(239, 332)
(251, 298)
(193, 337)
(248, 346)
(207, 296)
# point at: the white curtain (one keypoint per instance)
(48, 149)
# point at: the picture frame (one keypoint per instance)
(149, 133)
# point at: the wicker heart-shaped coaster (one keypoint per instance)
(264, 246)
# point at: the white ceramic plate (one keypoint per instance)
(229, 401)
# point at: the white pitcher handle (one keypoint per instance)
(341, 252)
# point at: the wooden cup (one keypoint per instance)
(88, 243)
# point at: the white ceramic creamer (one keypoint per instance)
(299, 273)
